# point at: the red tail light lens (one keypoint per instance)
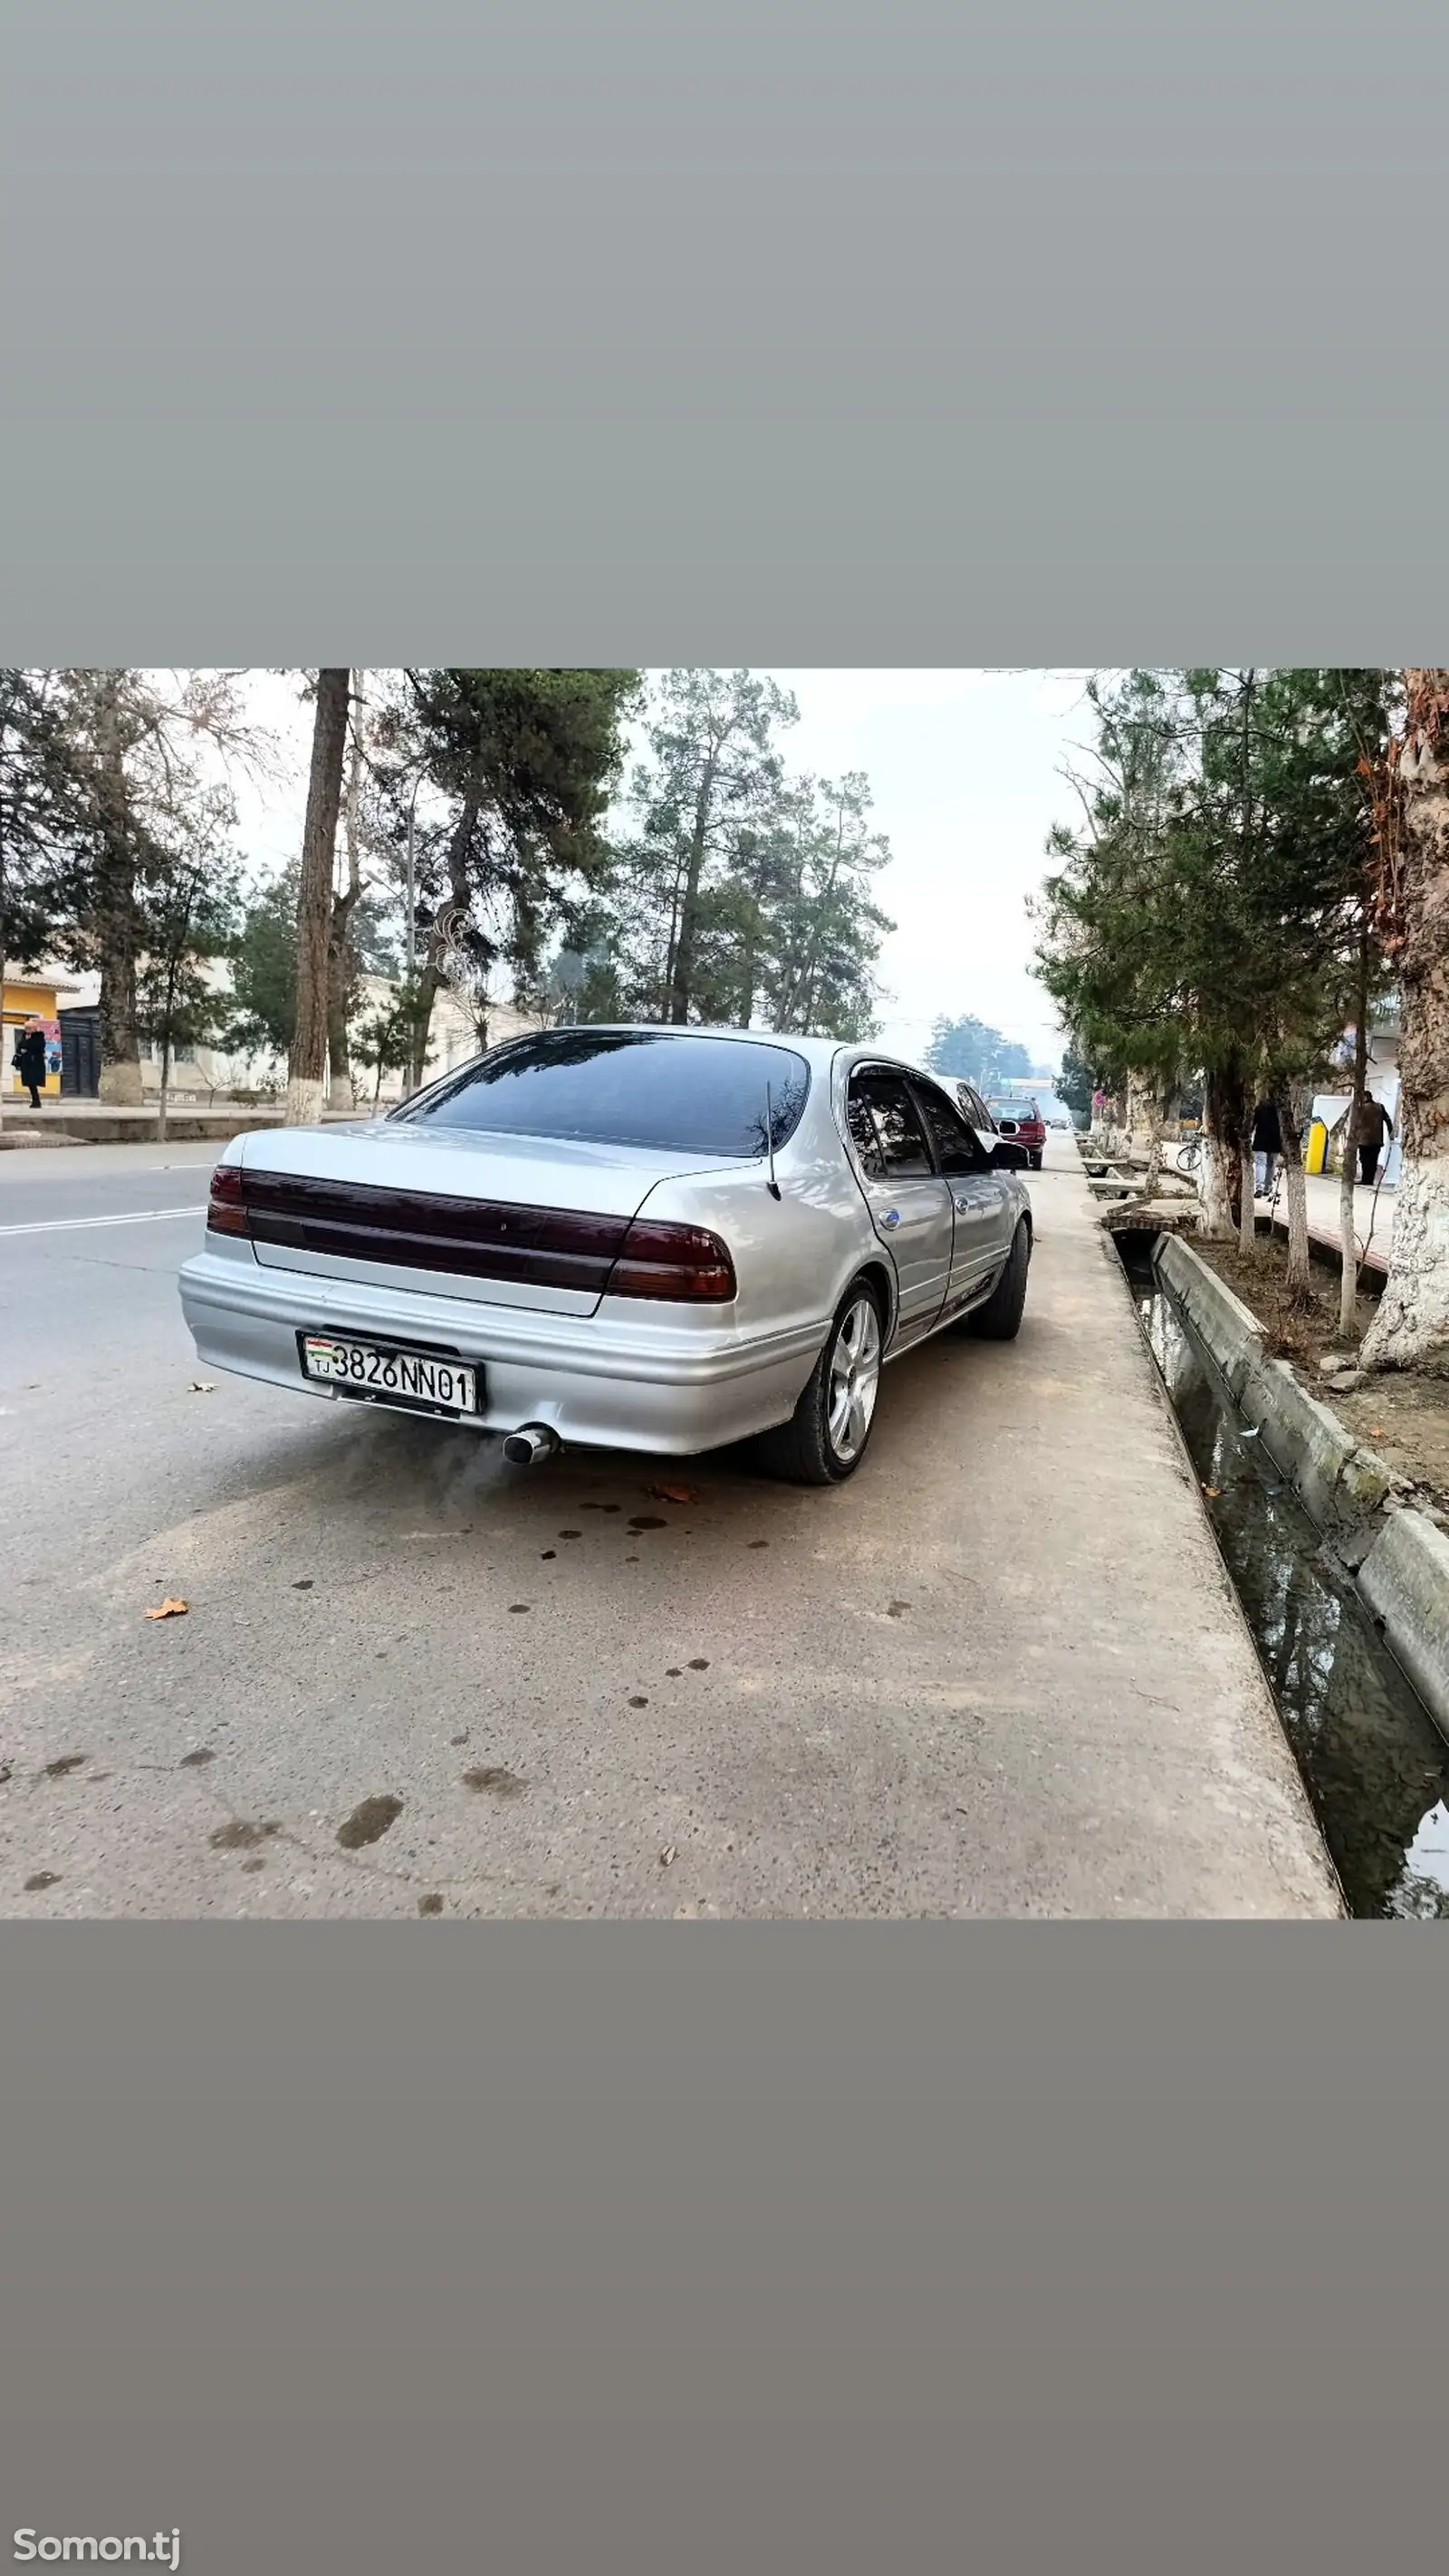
(225, 1212)
(683, 1262)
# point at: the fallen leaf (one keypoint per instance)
(170, 1610)
(674, 1493)
(667, 1855)
(1213, 1492)
(203, 1386)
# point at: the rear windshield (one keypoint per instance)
(653, 1087)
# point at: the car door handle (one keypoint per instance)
(964, 1207)
(892, 1217)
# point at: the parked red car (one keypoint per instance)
(1023, 1122)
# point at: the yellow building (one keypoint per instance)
(26, 998)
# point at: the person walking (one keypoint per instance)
(1267, 1145)
(1371, 1129)
(29, 1058)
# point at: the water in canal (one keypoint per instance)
(1375, 1765)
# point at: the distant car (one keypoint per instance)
(1022, 1122)
(646, 1238)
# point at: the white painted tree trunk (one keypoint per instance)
(1214, 1190)
(304, 1102)
(1154, 1145)
(1295, 1191)
(1138, 1115)
(1411, 1328)
(120, 1085)
(1347, 1241)
(1247, 1183)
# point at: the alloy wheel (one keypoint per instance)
(853, 1379)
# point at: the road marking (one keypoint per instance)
(69, 1224)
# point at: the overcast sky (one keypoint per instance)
(965, 770)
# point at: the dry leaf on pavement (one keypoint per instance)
(667, 1855)
(674, 1493)
(170, 1609)
(203, 1386)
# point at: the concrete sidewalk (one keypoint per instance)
(1373, 1223)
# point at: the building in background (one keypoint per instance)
(43, 996)
(69, 1005)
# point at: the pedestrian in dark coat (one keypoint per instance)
(1267, 1144)
(1371, 1127)
(29, 1059)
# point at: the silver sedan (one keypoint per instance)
(648, 1238)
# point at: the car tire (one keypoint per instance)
(1036, 1162)
(999, 1319)
(806, 1450)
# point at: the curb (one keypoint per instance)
(1398, 1557)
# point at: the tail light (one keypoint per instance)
(225, 1212)
(682, 1262)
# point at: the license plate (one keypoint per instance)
(364, 1369)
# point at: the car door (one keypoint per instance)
(908, 1199)
(983, 1205)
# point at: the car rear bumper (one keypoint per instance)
(607, 1380)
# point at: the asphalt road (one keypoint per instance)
(412, 1680)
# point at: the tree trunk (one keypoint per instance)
(1218, 1170)
(427, 994)
(308, 1062)
(339, 963)
(747, 978)
(5, 1066)
(1295, 1190)
(115, 908)
(460, 889)
(1411, 1328)
(340, 1093)
(681, 980)
(1138, 1115)
(1348, 1168)
(1247, 1185)
(1159, 1102)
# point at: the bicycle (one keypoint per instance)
(1189, 1155)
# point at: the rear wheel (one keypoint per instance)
(1035, 1162)
(999, 1320)
(826, 1437)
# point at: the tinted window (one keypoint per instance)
(956, 1147)
(653, 1087)
(881, 1107)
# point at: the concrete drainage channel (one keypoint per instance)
(1344, 1585)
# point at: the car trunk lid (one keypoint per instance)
(501, 1219)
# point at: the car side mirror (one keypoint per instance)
(1007, 1157)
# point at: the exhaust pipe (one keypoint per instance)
(525, 1448)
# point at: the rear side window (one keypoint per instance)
(956, 1147)
(659, 1088)
(886, 1130)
